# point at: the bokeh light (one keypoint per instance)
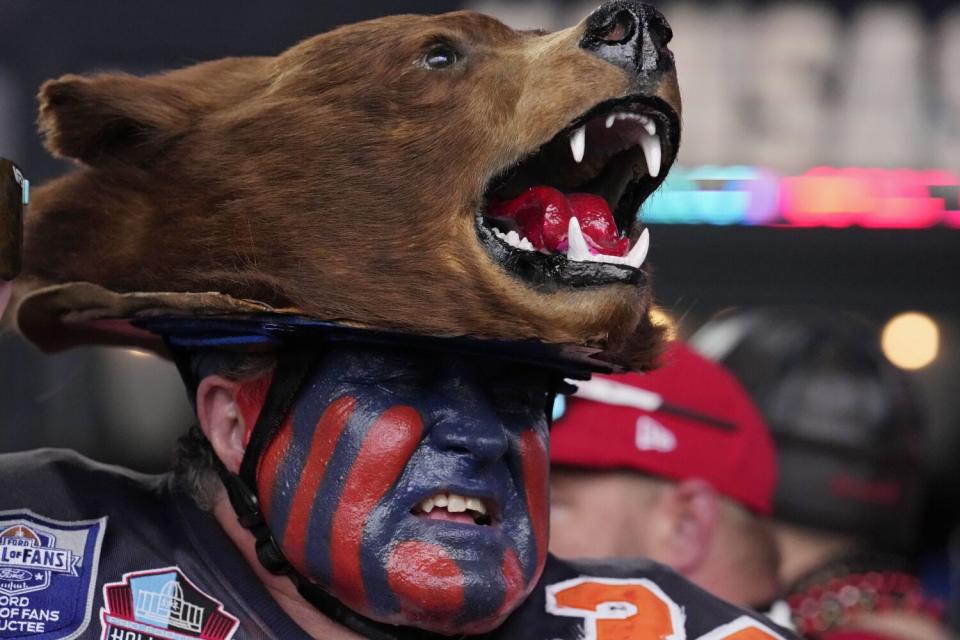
(911, 340)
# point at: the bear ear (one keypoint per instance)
(113, 117)
(96, 119)
(99, 119)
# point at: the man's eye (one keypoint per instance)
(520, 399)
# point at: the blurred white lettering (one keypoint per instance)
(792, 85)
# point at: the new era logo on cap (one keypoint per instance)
(653, 436)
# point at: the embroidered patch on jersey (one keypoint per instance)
(162, 604)
(48, 574)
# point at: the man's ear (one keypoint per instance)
(693, 507)
(112, 117)
(221, 420)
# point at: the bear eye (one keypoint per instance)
(440, 56)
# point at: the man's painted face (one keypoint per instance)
(413, 486)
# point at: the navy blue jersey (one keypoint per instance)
(93, 551)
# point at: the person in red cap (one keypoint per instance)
(849, 429)
(676, 465)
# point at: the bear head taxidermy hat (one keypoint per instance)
(437, 176)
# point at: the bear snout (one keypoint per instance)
(631, 35)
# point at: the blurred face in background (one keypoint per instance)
(685, 525)
(602, 514)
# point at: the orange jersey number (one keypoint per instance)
(635, 609)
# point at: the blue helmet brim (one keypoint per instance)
(265, 331)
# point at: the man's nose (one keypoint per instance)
(476, 430)
(631, 35)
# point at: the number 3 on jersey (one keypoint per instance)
(635, 609)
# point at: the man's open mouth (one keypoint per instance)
(453, 507)
(567, 214)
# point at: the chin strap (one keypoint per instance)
(291, 372)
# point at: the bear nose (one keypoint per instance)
(631, 35)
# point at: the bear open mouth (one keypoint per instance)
(567, 214)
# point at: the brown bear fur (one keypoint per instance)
(339, 179)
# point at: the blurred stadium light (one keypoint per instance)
(911, 340)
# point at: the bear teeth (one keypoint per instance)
(578, 251)
(513, 239)
(578, 143)
(652, 152)
(647, 123)
(649, 141)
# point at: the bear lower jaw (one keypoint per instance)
(548, 273)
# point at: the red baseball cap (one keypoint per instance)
(688, 419)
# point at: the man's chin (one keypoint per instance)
(442, 622)
(447, 588)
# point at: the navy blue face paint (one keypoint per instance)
(413, 485)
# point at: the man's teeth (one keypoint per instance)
(454, 503)
(513, 239)
(578, 142)
(578, 250)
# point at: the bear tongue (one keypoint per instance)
(542, 215)
(597, 224)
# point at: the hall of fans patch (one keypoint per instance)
(47, 574)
